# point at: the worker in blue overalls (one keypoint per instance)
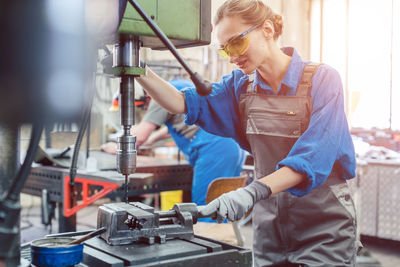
(290, 115)
(211, 156)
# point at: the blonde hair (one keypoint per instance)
(253, 12)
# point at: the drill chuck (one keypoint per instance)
(126, 154)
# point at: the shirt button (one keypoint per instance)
(296, 132)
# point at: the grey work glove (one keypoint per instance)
(234, 205)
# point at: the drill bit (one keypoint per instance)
(126, 188)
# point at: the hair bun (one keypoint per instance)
(278, 25)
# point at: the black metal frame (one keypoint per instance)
(165, 178)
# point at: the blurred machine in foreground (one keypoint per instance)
(48, 63)
(46, 60)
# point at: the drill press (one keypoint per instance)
(131, 222)
(137, 29)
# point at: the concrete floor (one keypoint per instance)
(378, 252)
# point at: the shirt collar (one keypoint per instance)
(291, 78)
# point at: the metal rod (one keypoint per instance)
(167, 213)
(88, 236)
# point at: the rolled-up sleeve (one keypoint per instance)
(327, 138)
(193, 103)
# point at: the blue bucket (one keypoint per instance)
(53, 252)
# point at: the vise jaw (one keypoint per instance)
(127, 223)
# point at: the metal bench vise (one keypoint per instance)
(127, 223)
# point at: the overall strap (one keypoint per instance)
(305, 84)
(250, 83)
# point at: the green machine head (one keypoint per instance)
(186, 23)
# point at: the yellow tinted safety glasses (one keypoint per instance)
(238, 45)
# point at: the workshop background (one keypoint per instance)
(360, 38)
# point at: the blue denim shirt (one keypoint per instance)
(326, 141)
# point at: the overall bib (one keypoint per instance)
(318, 229)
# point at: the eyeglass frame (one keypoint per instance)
(243, 34)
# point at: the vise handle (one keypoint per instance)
(179, 208)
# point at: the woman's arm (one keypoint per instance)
(163, 93)
(282, 179)
(235, 204)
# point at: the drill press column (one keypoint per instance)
(126, 153)
(126, 57)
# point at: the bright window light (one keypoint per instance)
(358, 40)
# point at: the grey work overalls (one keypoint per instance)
(318, 229)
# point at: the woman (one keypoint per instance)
(291, 118)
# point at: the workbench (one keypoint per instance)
(152, 176)
(199, 251)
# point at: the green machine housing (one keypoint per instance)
(186, 23)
